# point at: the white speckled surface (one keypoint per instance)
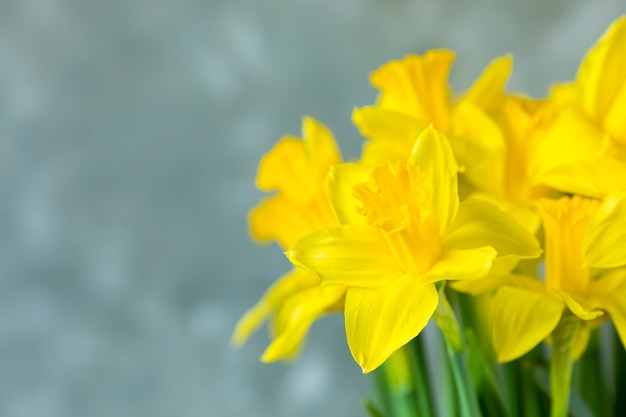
(130, 131)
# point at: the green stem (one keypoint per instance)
(529, 391)
(561, 364)
(619, 364)
(510, 387)
(467, 398)
(422, 385)
(400, 374)
(445, 318)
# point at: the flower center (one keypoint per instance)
(397, 200)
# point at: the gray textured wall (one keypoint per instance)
(130, 131)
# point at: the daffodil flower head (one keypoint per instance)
(296, 169)
(414, 94)
(583, 150)
(407, 231)
(526, 310)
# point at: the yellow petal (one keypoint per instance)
(297, 167)
(339, 185)
(609, 292)
(349, 255)
(526, 216)
(521, 320)
(494, 281)
(380, 321)
(278, 218)
(488, 90)
(479, 223)
(521, 123)
(462, 264)
(602, 70)
(614, 121)
(478, 286)
(417, 87)
(320, 146)
(265, 217)
(594, 177)
(579, 307)
(564, 94)
(271, 301)
(571, 137)
(433, 155)
(483, 153)
(295, 317)
(604, 245)
(282, 167)
(392, 134)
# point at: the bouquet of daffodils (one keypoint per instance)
(500, 216)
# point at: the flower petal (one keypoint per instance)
(571, 138)
(604, 245)
(380, 321)
(462, 264)
(614, 121)
(595, 177)
(526, 216)
(488, 90)
(482, 150)
(297, 167)
(494, 281)
(603, 69)
(295, 317)
(479, 223)
(579, 307)
(392, 134)
(521, 320)
(609, 293)
(339, 185)
(417, 86)
(286, 286)
(286, 221)
(349, 255)
(432, 153)
(320, 146)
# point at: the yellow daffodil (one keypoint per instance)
(404, 230)
(526, 311)
(573, 299)
(414, 94)
(584, 148)
(297, 170)
(492, 135)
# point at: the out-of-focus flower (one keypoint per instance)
(526, 311)
(414, 94)
(297, 170)
(404, 230)
(584, 148)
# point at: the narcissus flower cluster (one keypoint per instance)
(520, 202)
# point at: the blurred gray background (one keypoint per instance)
(130, 132)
